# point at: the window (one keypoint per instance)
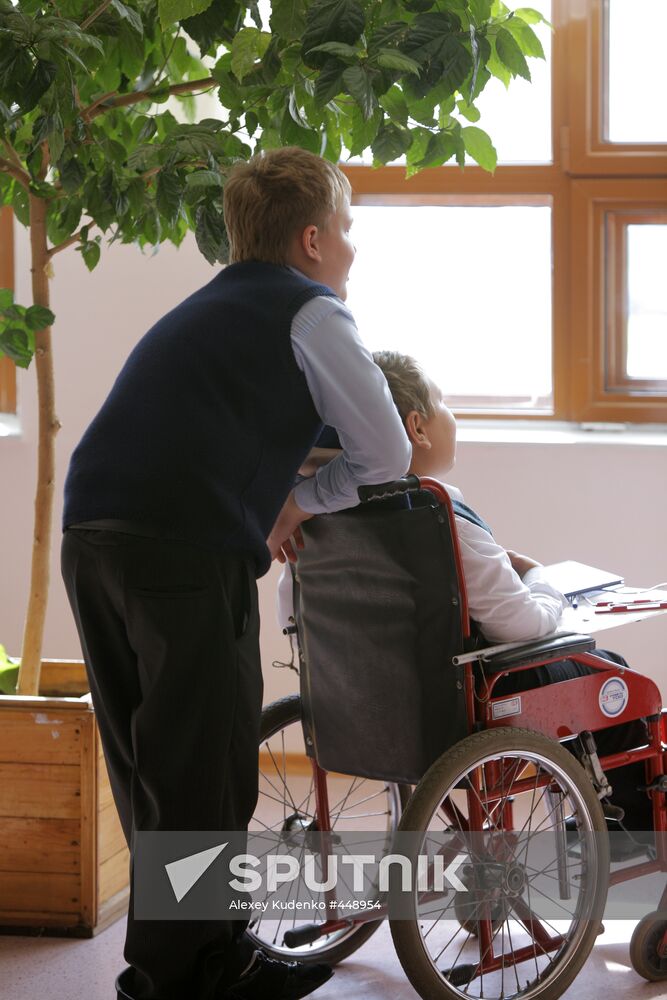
(7, 369)
(537, 291)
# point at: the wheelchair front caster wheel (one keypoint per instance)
(648, 947)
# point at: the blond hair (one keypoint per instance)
(276, 194)
(407, 381)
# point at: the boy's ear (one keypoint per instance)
(415, 427)
(310, 243)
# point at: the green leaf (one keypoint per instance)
(525, 37)
(217, 23)
(331, 21)
(21, 205)
(395, 105)
(90, 251)
(203, 178)
(478, 145)
(440, 149)
(329, 82)
(128, 14)
(293, 108)
(531, 16)
(358, 84)
(171, 11)
(498, 68)
(211, 234)
(147, 130)
(468, 111)
(248, 46)
(288, 18)
(511, 55)
(340, 49)
(169, 195)
(9, 673)
(420, 141)
(393, 59)
(293, 135)
(6, 298)
(363, 131)
(334, 143)
(480, 10)
(430, 34)
(72, 175)
(18, 344)
(390, 143)
(41, 79)
(38, 318)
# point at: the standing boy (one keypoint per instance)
(169, 500)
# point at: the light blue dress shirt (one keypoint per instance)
(351, 394)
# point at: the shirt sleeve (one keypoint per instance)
(506, 607)
(351, 394)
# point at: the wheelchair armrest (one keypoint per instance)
(561, 645)
(408, 484)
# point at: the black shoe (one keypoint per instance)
(268, 979)
(265, 980)
(123, 982)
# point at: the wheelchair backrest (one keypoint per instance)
(378, 614)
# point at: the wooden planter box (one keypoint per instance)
(64, 864)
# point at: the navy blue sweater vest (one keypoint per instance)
(209, 419)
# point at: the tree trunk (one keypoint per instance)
(31, 654)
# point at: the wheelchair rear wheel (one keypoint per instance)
(286, 803)
(501, 796)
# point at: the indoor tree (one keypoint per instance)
(99, 137)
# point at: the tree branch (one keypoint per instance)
(75, 238)
(96, 13)
(17, 173)
(12, 154)
(124, 100)
(86, 112)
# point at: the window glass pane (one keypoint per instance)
(466, 290)
(637, 109)
(647, 302)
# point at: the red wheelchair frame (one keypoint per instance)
(542, 712)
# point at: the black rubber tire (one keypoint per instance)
(643, 947)
(276, 716)
(442, 775)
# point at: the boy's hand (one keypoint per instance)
(521, 564)
(286, 537)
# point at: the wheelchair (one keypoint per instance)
(398, 728)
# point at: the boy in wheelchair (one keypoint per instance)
(508, 598)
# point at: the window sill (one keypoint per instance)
(560, 432)
(10, 425)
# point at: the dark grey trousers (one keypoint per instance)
(170, 637)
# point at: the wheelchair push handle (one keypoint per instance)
(408, 484)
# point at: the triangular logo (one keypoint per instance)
(186, 871)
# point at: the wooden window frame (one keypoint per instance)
(585, 22)
(600, 208)
(7, 367)
(617, 299)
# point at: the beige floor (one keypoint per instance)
(61, 969)
(84, 970)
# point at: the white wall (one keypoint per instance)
(600, 503)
